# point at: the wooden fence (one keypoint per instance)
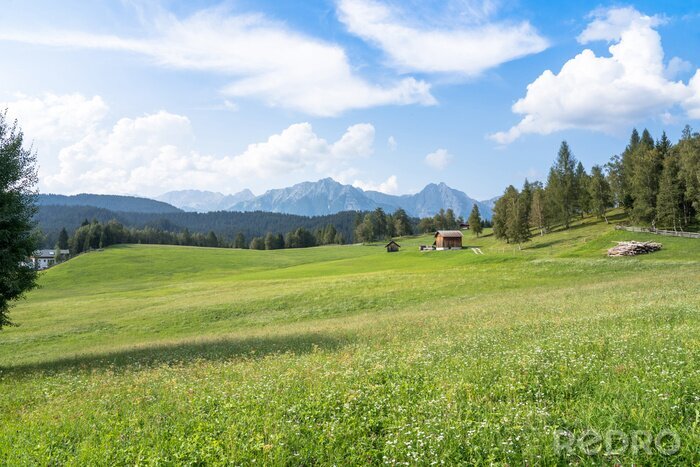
(668, 233)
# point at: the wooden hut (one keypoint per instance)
(392, 247)
(448, 240)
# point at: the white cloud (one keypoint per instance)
(265, 60)
(389, 186)
(605, 93)
(438, 159)
(298, 148)
(155, 153)
(466, 50)
(392, 143)
(53, 118)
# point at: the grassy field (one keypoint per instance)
(349, 355)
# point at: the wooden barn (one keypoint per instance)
(448, 240)
(392, 247)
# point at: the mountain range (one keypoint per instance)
(320, 198)
(204, 201)
(328, 196)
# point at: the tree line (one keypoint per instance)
(226, 225)
(95, 235)
(657, 183)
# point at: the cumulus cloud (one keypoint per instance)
(438, 159)
(55, 118)
(459, 49)
(389, 186)
(265, 60)
(155, 153)
(606, 93)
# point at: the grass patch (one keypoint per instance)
(169, 355)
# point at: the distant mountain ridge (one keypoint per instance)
(204, 201)
(111, 202)
(327, 196)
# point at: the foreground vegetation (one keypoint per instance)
(350, 355)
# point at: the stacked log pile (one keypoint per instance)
(633, 248)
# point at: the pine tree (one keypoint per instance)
(239, 241)
(562, 185)
(645, 184)
(583, 200)
(475, 221)
(669, 203)
(599, 193)
(626, 170)
(516, 223)
(689, 173)
(17, 240)
(63, 239)
(538, 210)
(402, 223)
(614, 179)
(212, 241)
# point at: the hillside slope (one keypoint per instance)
(352, 355)
(110, 202)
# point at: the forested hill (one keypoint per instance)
(111, 202)
(51, 219)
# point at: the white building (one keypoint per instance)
(44, 259)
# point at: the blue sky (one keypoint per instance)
(137, 97)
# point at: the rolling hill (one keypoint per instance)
(351, 355)
(109, 202)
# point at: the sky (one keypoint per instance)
(144, 97)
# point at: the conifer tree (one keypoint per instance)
(599, 193)
(517, 227)
(583, 200)
(538, 209)
(63, 239)
(475, 221)
(669, 203)
(562, 185)
(18, 179)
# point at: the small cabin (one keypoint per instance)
(448, 240)
(392, 247)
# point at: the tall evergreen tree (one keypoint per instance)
(645, 184)
(517, 227)
(63, 239)
(583, 200)
(689, 173)
(562, 185)
(599, 193)
(538, 210)
(18, 179)
(239, 241)
(475, 221)
(402, 223)
(669, 202)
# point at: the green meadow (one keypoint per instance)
(345, 355)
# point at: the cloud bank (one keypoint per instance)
(607, 93)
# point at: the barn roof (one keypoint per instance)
(449, 233)
(392, 242)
